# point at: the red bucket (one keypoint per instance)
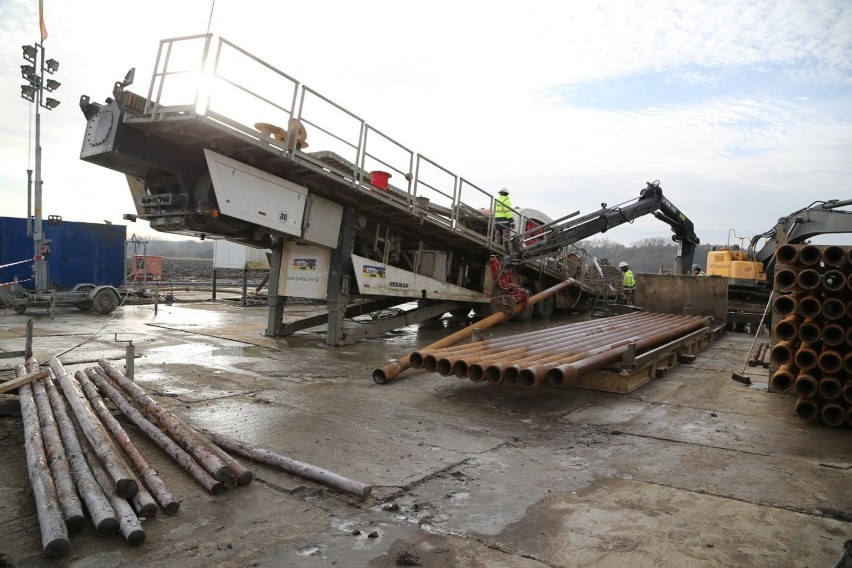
(380, 179)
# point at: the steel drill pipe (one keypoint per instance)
(849, 339)
(564, 375)
(129, 525)
(849, 309)
(782, 352)
(805, 358)
(57, 461)
(809, 307)
(94, 431)
(531, 373)
(830, 388)
(785, 279)
(181, 457)
(422, 357)
(301, 469)
(806, 385)
(847, 360)
(461, 365)
(833, 413)
(834, 255)
(783, 378)
(849, 415)
(809, 255)
(808, 280)
(149, 474)
(834, 281)
(785, 305)
(849, 256)
(833, 335)
(807, 409)
(830, 361)
(833, 308)
(454, 362)
(787, 254)
(787, 328)
(186, 438)
(392, 370)
(491, 368)
(810, 331)
(54, 534)
(847, 390)
(849, 282)
(100, 511)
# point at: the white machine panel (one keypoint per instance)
(304, 271)
(323, 226)
(383, 280)
(247, 193)
(236, 256)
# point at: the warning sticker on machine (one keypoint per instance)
(374, 271)
(304, 263)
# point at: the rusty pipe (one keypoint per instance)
(393, 369)
(833, 335)
(785, 279)
(564, 375)
(849, 256)
(809, 255)
(833, 308)
(532, 373)
(849, 415)
(849, 339)
(833, 413)
(781, 353)
(809, 331)
(834, 255)
(849, 309)
(849, 281)
(847, 360)
(785, 305)
(783, 378)
(807, 409)
(422, 357)
(786, 329)
(786, 254)
(806, 385)
(478, 369)
(830, 361)
(830, 388)
(805, 358)
(834, 281)
(808, 280)
(809, 307)
(847, 390)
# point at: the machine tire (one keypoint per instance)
(544, 309)
(19, 309)
(86, 305)
(105, 301)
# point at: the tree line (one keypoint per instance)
(173, 249)
(647, 256)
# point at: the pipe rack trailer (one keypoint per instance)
(218, 147)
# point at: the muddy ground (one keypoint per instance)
(693, 469)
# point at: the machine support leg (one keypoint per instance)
(275, 313)
(245, 286)
(338, 278)
(214, 285)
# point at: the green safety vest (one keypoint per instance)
(503, 207)
(629, 279)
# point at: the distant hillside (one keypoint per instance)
(645, 256)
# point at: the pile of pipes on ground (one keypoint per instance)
(812, 335)
(77, 450)
(757, 358)
(557, 356)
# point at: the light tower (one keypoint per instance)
(34, 71)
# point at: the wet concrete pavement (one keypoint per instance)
(693, 469)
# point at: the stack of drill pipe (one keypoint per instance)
(758, 354)
(812, 334)
(566, 352)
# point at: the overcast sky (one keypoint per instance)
(742, 109)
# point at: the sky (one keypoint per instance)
(742, 109)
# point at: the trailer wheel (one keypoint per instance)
(105, 301)
(86, 304)
(544, 309)
(19, 308)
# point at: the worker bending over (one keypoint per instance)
(628, 283)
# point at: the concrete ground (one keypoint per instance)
(693, 469)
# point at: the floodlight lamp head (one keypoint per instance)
(28, 92)
(51, 104)
(52, 65)
(52, 84)
(30, 52)
(28, 73)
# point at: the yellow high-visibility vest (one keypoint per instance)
(503, 207)
(629, 280)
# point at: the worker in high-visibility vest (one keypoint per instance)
(503, 216)
(696, 270)
(628, 283)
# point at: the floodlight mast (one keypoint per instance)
(34, 93)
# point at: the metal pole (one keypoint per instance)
(40, 265)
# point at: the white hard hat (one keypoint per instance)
(623, 264)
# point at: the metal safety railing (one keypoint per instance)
(234, 89)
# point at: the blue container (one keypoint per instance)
(90, 253)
